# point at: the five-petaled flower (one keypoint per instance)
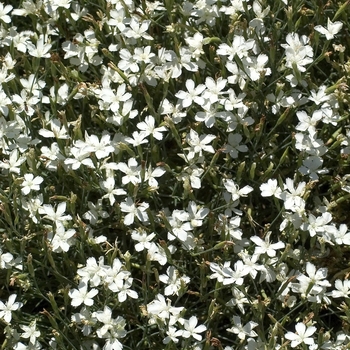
(7, 308)
(332, 29)
(303, 335)
(82, 295)
(30, 183)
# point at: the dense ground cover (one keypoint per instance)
(174, 175)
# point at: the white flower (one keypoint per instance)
(30, 183)
(161, 308)
(139, 211)
(112, 342)
(302, 335)
(192, 174)
(192, 95)
(341, 342)
(115, 276)
(342, 235)
(41, 50)
(199, 143)
(192, 330)
(240, 47)
(53, 215)
(197, 214)
(233, 146)
(255, 67)
(172, 334)
(143, 239)
(116, 18)
(311, 166)
(319, 225)
(143, 54)
(235, 191)
(242, 331)
(7, 308)
(92, 273)
(58, 131)
(320, 96)
(104, 317)
(32, 205)
(96, 211)
(30, 332)
(14, 162)
(4, 102)
(331, 30)
(137, 139)
(62, 239)
(307, 123)
(108, 186)
(137, 29)
(132, 171)
(226, 275)
(209, 115)
(148, 126)
(239, 298)
(179, 225)
(114, 99)
(6, 260)
(25, 103)
(3, 13)
(151, 174)
(101, 148)
(127, 61)
(156, 253)
(51, 156)
(195, 44)
(270, 188)
(343, 289)
(173, 280)
(298, 53)
(82, 296)
(125, 291)
(81, 157)
(265, 246)
(213, 90)
(316, 279)
(290, 198)
(250, 263)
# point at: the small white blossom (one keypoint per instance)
(55, 216)
(199, 143)
(302, 335)
(7, 308)
(31, 184)
(148, 126)
(172, 335)
(264, 246)
(173, 280)
(133, 211)
(41, 50)
(342, 289)
(82, 295)
(233, 146)
(62, 239)
(332, 29)
(270, 188)
(191, 329)
(30, 332)
(4, 10)
(143, 239)
(242, 331)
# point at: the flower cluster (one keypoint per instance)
(174, 175)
